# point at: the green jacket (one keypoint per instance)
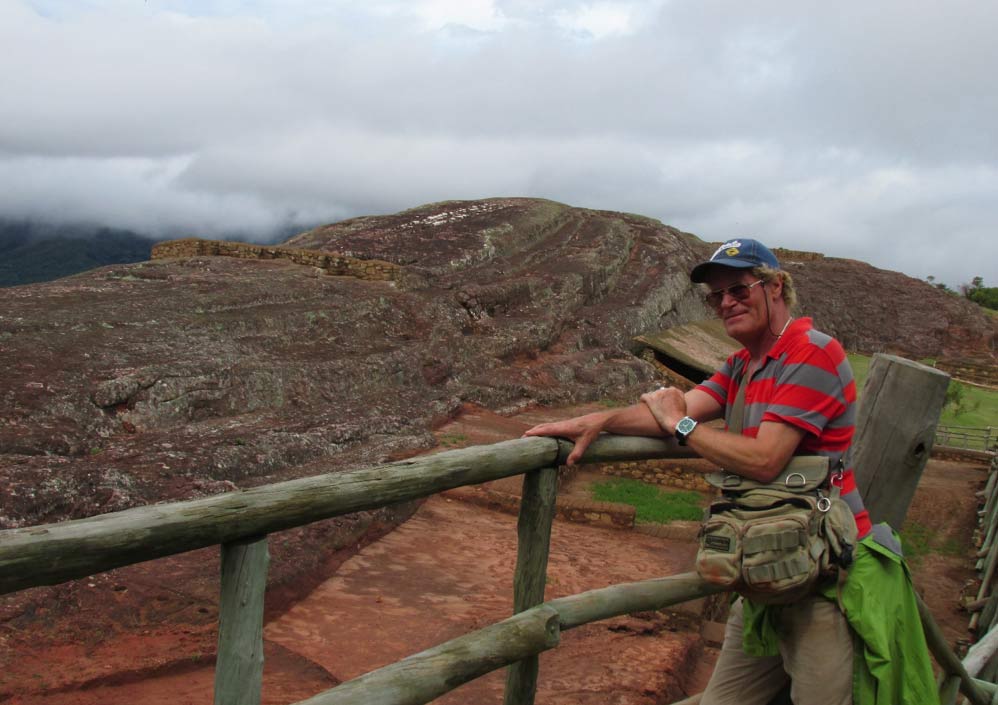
(892, 664)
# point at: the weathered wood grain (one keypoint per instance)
(239, 666)
(429, 674)
(980, 653)
(533, 529)
(610, 448)
(626, 598)
(991, 607)
(954, 669)
(898, 413)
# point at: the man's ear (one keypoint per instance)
(777, 283)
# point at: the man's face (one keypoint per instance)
(744, 319)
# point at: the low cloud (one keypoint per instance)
(780, 120)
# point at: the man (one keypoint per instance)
(799, 400)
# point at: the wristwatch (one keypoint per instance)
(684, 428)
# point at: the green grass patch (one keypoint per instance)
(452, 440)
(966, 405)
(652, 504)
(860, 369)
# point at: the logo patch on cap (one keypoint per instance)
(729, 248)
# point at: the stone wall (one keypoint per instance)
(328, 262)
(979, 372)
(580, 511)
(686, 474)
(962, 455)
(785, 255)
(611, 514)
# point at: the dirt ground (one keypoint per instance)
(448, 571)
(946, 505)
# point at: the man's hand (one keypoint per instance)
(635, 420)
(581, 430)
(667, 405)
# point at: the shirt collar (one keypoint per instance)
(797, 327)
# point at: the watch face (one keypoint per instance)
(685, 425)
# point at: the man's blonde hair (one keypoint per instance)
(768, 274)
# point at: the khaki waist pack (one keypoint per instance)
(773, 541)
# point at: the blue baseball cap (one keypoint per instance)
(741, 253)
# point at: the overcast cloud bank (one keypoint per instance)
(861, 131)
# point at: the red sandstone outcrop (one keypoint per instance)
(199, 373)
(220, 366)
(876, 310)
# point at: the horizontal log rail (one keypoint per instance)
(53, 553)
(429, 674)
(626, 598)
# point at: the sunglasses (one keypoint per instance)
(739, 292)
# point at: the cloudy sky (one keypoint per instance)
(857, 129)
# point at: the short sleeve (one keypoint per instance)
(813, 391)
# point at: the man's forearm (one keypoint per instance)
(634, 420)
(735, 453)
(760, 458)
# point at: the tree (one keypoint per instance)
(957, 400)
(986, 296)
(939, 285)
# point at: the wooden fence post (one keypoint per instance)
(533, 529)
(239, 665)
(898, 413)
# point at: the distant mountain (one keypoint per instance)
(32, 252)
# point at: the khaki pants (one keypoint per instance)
(816, 653)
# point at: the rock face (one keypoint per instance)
(191, 375)
(194, 375)
(197, 373)
(875, 310)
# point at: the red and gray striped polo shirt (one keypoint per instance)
(807, 382)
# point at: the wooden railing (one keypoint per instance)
(980, 660)
(240, 522)
(968, 437)
(891, 448)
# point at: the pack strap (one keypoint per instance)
(774, 542)
(839, 586)
(781, 570)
